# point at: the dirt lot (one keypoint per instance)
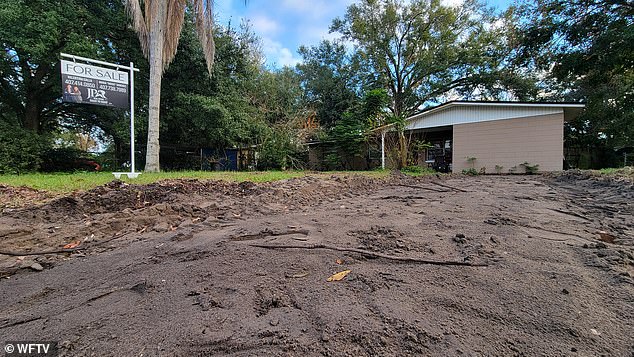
(172, 269)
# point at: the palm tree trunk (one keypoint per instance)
(157, 34)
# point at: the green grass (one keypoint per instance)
(627, 171)
(81, 181)
(620, 170)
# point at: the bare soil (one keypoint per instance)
(171, 269)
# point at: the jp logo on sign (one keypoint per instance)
(97, 94)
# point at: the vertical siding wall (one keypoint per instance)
(510, 142)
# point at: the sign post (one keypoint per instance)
(82, 82)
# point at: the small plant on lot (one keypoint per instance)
(512, 170)
(483, 171)
(415, 170)
(471, 160)
(530, 169)
(498, 169)
(470, 171)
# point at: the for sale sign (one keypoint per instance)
(87, 84)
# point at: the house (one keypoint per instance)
(489, 136)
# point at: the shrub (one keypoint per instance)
(413, 169)
(20, 150)
(530, 169)
(416, 170)
(279, 151)
(470, 172)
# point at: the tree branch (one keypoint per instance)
(369, 254)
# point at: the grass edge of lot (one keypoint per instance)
(63, 183)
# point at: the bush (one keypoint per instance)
(470, 172)
(280, 152)
(20, 150)
(414, 169)
(530, 169)
(61, 159)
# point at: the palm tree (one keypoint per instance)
(158, 24)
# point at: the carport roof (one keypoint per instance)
(571, 110)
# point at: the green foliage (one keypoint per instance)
(330, 79)
(420, 145)
(412, 169)
(530, 169)
(350, 133)
(276, 95)
(280, 150)
(332, 161)
(20, 150)
(203, 121)
(415, 170)
(67, 159)
(470, 171)
(585, 49)
(241, 104)
(498, 169)
(422, 50)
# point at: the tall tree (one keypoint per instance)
(584, 48)
(421, 50)
(158, 24)
(214, 111)
(331, 80)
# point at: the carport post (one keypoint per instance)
(383, 149)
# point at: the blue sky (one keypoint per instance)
(284, 25)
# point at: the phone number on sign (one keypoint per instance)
(80, 83)
(112, 88)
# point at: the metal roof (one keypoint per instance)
(570, 109)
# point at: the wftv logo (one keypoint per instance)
(30, 348)
(97, 94)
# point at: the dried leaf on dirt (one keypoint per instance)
(72, 245)
(339, 276)
(606, 237)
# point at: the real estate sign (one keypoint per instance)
(88, 84)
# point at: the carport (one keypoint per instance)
(492, 136)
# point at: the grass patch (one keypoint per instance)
(81, 181)
(627, 171)
(617, 170)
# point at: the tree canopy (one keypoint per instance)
(585, 49)
(391, 58)
(422, 51)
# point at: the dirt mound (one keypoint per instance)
(190, 267)
(119, 209)
(12, 197)
(621, 177)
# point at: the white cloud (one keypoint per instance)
(278, 55)
(264, 25)
(452, 3)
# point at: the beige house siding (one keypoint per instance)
(510, 142)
